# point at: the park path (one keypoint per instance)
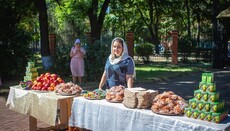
(183, 86)
(186, 85)
(13, 121)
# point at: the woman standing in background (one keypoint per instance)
(77, 62)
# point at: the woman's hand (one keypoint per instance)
(102, 82)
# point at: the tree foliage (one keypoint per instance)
(15, 37)
(105, 19)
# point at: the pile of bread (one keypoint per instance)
(115, 94)
(68, 88)
(168, 103)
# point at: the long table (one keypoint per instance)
(100, 115)
(40, 105)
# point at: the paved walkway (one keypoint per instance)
(13, 121)
(183, 86)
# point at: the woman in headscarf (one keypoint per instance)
(119, 67)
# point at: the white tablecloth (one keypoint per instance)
(41, 105)
(100, 115)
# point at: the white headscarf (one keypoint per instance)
(113, 60)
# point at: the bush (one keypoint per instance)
(62, 60)
(15, 53)
(96, 57)
(144, 50)
(185, 46)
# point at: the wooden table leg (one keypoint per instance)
(69, 104)
(32, 123)
(63, 111)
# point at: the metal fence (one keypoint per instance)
(200, 56)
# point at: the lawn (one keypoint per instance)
(164, 71)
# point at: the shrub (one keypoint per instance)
(62, 60)
(185, 47)
(96, 57)
(144, 50)
(15, 53)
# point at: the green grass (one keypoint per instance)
(152, 72)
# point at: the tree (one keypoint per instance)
(15, 36)
(43, 22)
(220, 41)
(149, 13)
(96, 21)
(74, 13)
(187, 5)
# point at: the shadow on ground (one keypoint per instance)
(185, 86)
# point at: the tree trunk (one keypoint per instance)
(156, 27)
(198, 28)
(198, 36)
(152, 25)
(188, 18)
(96, 22)
(217, 51)
(43, 22)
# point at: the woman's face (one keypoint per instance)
(117, 48)
(78, 46)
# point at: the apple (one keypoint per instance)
(42, 75)
(44, 78)
(39, 84)
(35, 82)
(44, 88)
(47, 85)
(38, 78)
(47, 74)
(55, 76)
(47, 81)
(34, 87)
(52, 85)
(59, 79)
(39, 87)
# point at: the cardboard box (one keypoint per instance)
(204, 78)
(210, 77)
(192, 103)
(203, 86)
(211, 87)
(197, 94)
(188, 111)
(213, 96)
